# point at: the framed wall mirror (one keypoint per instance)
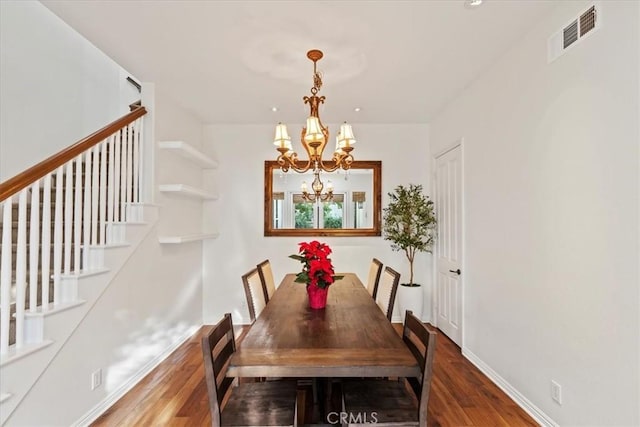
(354, 210)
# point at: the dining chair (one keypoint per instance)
(266, 276)
(391, 401)
(256, 293)
(247, 404)
(375, 269)
(386, 291)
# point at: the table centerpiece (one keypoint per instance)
(317, 271)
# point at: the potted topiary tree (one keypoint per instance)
(410, 225)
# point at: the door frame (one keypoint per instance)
(434, 268)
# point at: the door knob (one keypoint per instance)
(458, 272)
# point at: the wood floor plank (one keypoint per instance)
(175, 393)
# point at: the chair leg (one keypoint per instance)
(314, 388)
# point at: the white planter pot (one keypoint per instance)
(410, 298)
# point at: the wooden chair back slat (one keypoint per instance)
(417, 353)
(221, 359)
(222, 328)
(223, 388)
(415, 336)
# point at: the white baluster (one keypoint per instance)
(140, 127)
(21, 267)
(136, 162)
(46, 241)
(34, 246)
(5, 275)
(68, 216)
(77, 216)
(86, 217)
(57, 236)
(123, 177)
(129, 165)
(94, 197)
(110, 178)
(116, 176)
(102, 206)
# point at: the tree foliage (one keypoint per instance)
(331, 220)
(304, 215)
(410, 222)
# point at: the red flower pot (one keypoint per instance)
(317, 296)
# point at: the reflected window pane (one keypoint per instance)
(332, 215)
(277, 213)
(303, 214)
(359, 215)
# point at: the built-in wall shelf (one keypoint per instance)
(187, 151)
(187, 191)
(186, 238)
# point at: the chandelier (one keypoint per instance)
(317, 187)
(314, 138)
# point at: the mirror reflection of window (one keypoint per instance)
(347, 210)
(304, 212)
(310, 214)
(333, 212)
(359, 209)
(277, 213)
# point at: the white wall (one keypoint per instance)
(238, 215)
(551, 188)
(55, 86)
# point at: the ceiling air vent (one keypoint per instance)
(573, 32)
(570, 34)
(587, 21)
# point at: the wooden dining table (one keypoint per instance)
(351, 337)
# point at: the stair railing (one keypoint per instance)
(88, 185)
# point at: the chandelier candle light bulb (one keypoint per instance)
(314, 138)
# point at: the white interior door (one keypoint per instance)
(448, 206)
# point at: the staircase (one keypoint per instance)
(67, 225)
(44, 290)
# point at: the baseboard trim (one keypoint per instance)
(117, 394)
(531, 409)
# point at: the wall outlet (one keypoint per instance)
(556, 392)
(96, 379)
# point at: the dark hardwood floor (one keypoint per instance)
(175, 394)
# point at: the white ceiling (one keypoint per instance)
(231, 61)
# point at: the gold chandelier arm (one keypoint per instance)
(301, 169)
(346, 161)
(290, 161)
(331, 168)
(286, 161)
(340, 160)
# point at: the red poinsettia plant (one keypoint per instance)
(317, 269)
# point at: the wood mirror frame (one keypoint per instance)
(375, 165)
